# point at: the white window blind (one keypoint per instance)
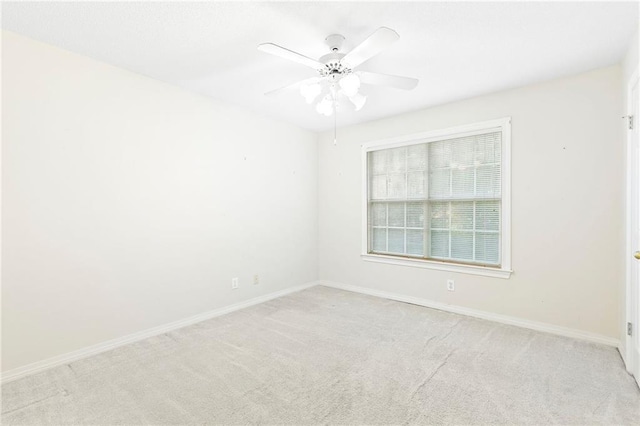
(437, 200)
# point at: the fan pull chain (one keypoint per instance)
(335, 123)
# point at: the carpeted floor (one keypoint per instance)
(325, 356)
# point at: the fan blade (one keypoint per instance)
(293, 86)
(276, 50)
(374, 44)
(375, 79)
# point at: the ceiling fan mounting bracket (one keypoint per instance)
(334, 41)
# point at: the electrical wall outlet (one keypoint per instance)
(234, 283)
(451, 285)
(256, 279)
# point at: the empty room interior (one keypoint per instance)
(320, 213)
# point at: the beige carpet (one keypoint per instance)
(325, 356)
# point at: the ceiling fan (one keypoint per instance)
(337, 75)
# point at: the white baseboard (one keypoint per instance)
(48, 363)
(504, 319)
(623, 354)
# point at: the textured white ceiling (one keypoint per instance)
(457, 50)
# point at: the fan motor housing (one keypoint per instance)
(334, 69)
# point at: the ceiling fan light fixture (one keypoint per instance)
(310, 92)
(325, 106)
(350, 84)
(358, 101)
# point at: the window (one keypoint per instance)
(440, 199)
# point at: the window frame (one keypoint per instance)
(502, 125)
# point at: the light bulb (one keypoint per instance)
(358, 101)
(350, 84)
(310, 92)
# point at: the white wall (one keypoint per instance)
(631, 59)
(567, 205)
(129, 203)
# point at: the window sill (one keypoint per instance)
(440, 266)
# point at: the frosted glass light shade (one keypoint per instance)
(358, 101)
(310, 91)
(350, 84)
(325, 106)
